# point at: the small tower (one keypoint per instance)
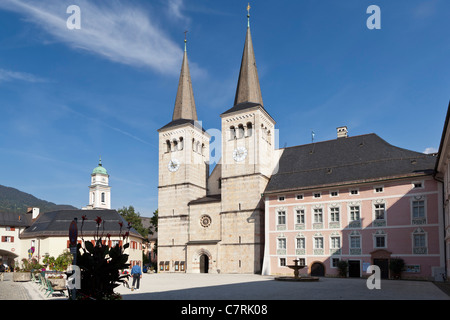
(99, 190)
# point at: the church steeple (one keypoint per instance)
(248, 89)
(184, 102)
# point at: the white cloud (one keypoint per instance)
(430, 150)
(8, 75)
(114, 30)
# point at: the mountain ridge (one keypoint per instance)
(13, 200)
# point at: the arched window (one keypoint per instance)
(232, 133)
(175, 145)
(103, 197)
(181, 145)
(249, 129)
(93, 197)
(240, 131)
(194, 145)
(167, 146)
(203, 149)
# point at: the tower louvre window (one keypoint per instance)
(232, 133)
(240, 131)
(249, 129)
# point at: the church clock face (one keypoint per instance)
(174, 164)
(239, 154)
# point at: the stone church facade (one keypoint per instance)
(357, 199)
(215, 222)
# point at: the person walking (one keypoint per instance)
(136, 273)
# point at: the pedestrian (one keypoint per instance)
(2, 270)
(136, 273)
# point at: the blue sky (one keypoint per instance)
(69, 96)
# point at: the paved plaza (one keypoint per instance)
(246, 287)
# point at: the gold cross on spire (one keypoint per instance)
(248, 14)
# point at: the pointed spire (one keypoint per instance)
(184, 102)
(248, 89)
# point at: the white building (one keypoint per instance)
(99, 190)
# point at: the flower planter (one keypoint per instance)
(21, 276)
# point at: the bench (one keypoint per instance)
(52, 289)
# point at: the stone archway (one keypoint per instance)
(317, 269)
(203, 259)
(7, 257)
(381, 259)
(204, 263)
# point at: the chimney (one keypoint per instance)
(342, 132)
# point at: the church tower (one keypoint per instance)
(99, 190)
(247, 164)
(183, 171)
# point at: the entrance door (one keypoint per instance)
(384, 267)
(204, 263)
(317, 269)
(354, 268)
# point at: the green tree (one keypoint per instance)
(154, 222)
(133, 217)
(154, 228)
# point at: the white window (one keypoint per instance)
(334, 262)
(419, 241)
(379, 211)
(281, 198)
(379, 189)
(355, 241)
(334, 214)
(334, 193)
(300, 243)
(281, 217)
(300, 216)
(380, 239)
(335, 242)
(281, 244)
(354, 192)
(380, 242)
(318, 243)
(317, 195)
(418, 185)
(354, 213)
(418, 207)
(299, 197)
(318, 215)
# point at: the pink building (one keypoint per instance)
(443, 174)
(357, 199)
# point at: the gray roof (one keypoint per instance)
(56, 223)
(15, 219)
(349, 160)
(184, 102)
(180, 122)
(206, 199)
(248, 88)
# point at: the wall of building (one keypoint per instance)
(324, 242)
